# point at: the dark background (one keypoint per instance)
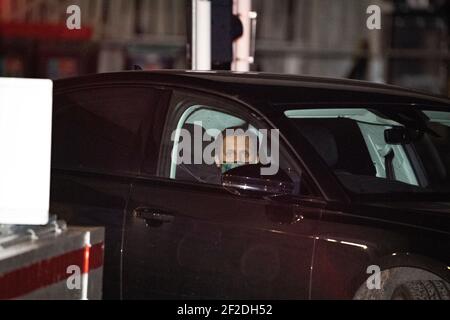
(308, 37)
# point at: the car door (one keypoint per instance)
(97, 143)
(187, 237)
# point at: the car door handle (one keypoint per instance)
(157, 216)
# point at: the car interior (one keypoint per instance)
(352, 142)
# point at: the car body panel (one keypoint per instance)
(218, 246)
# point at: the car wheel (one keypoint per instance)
(422, 290)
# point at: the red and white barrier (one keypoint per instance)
(64, 265)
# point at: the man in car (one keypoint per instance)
(239, 147)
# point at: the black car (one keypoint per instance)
(358, 209)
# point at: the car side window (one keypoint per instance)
(196, 131)
(205, 139)
(101, 129)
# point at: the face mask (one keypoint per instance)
(228, 166)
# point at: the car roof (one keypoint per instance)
(278, 89)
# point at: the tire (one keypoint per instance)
(422, 290)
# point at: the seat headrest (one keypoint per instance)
(323, 141)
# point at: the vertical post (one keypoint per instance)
(377, 62)
(85, 274)
(201, 35)
(243, 46)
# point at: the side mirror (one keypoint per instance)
(247, 179)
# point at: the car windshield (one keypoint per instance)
(385, 150)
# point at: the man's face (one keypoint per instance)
(235, 149)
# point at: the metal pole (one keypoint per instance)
(244, 47)
(201, 35)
